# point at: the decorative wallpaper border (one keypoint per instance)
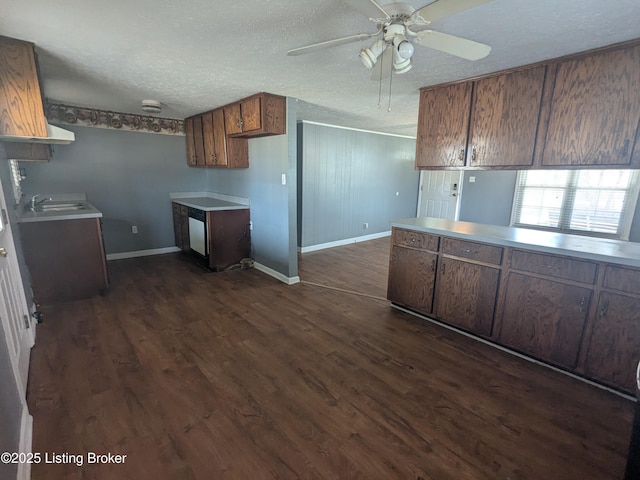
(91, 117)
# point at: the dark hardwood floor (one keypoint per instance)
(234, 375)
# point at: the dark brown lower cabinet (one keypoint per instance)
(412, 276)
(466, 295)
(66, 259)
(181, 226)
(544, 318)
(614, 344)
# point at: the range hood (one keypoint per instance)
(55, 136)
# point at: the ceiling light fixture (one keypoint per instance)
(402, 52)
(369, 56)
(151, 106)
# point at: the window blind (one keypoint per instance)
(597, 202)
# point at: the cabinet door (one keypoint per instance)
(208, 139)
(443, 121)
(544, 318)
(177, 225)
(411, 278)
(504, 119)
(198, 142)
(595, 110)
(251, 114)
(219, 139)
(232, 119)
(191, 151)
(614, 347)
(466, 295)
(21, 105)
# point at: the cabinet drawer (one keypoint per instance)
(554, 266)
(623, 279)
(422, 241)
(472, 250)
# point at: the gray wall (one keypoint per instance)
(490, 198)
(350, 177)
(10, 404)
(127, 175)
(273, 207)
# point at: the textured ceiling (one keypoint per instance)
(195, 55)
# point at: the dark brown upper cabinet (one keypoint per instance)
(442, 126)
(21, 108)
(260, 115)
(580, 111)
(594, 110)
(504, 119)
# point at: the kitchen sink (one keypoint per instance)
(59, 207)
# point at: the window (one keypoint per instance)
(587, 202)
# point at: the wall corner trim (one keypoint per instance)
(277, 275)
(346, 241)
(26, 443)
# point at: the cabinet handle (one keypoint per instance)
(552, 267)
(461, 155)
(442, 269)
(582, 304)
(474, 154)
(604, 307)
(467, 250)
(433, 265)
(240, 124)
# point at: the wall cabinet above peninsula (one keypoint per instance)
(218, 138)
(581, 111)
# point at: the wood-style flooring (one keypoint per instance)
(234, 375)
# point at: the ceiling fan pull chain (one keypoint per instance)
(390, 81)
(380, 92)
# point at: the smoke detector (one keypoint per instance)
(151, 106)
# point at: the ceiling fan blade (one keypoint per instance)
(330, 43)
(370, 8)
(444, 8)
(460, 47)
(382, 68)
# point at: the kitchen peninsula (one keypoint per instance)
(214, 228)
(571, 301)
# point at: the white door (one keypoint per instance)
(19, 329)
(439, 194)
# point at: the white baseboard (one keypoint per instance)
(26, 443)
(346, 241)
(277, 275)
(142, 253)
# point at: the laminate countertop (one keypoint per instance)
(598, 249)
(209, 204)
(67, 206)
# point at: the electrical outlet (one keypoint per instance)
(134, 229)
(365, 226)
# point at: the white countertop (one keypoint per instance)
(599, 249)
(25, 215)
(209, 201)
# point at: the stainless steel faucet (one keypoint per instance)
(35, 202)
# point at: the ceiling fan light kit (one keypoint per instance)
(399, 21)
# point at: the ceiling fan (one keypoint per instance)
(400, 27)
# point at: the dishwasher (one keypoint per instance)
(198, 232)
